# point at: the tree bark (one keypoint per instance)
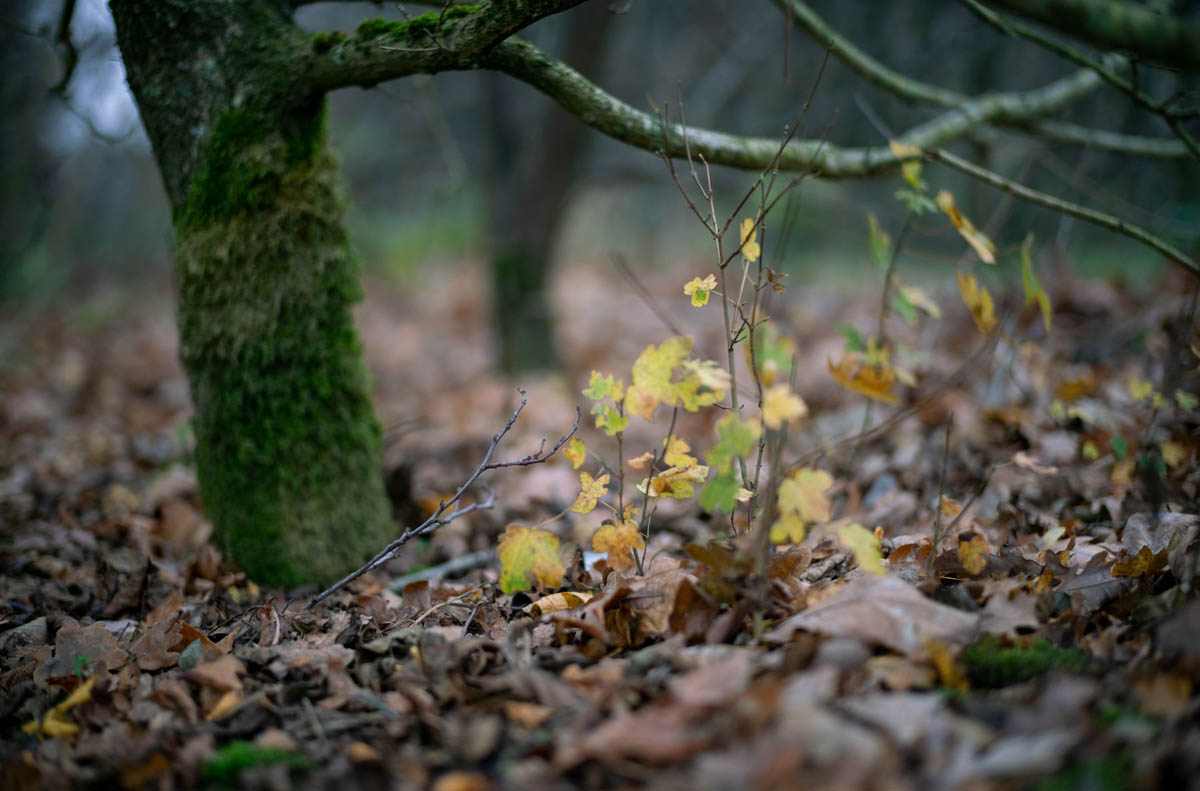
(287, 446)
(532, 177)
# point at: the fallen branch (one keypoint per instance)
(443, 515)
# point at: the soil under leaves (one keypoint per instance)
(1050, 639)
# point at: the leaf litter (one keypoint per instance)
(1035, 621)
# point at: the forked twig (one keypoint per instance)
(440, 516)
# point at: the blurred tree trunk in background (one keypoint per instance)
(287, 447)
(25, 168)
(532, 174)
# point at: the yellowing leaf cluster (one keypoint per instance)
(664, 375)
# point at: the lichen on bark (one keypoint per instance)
(288, 448)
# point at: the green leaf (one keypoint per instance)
(915, 202)
(1120, 447)
(720, 494)
(879, 241)
(735, 437)
(906, 309)
(854, 339)
(601, 387)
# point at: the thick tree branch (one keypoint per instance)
(453, 38)
(908, 89)
(1115, 25)
(1073, 209)
(1139, 97)
(614, 118)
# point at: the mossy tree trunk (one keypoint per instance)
(287, 445)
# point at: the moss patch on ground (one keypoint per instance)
(992, 663)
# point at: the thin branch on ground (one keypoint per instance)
(443, 515)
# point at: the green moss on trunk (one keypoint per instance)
(288, 448)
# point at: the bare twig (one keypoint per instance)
(443, 515)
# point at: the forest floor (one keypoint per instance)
(1036, 624)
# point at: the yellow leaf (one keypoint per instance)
(912, 168)
(1144, 562)
(973, 554)
(641, 461)
(789, 529)
(947, 669)
(750, 247)
(676, 454)
(699, 289)
(1122, 472)
(54, 724)
(224, 706)
(804, 494)
(590, 492)
(950, 507)
(618, 540)
(652, 376)
(1033, 289)
(781, 405)
(982, 245)
(873, 381)
(575, 452)
(1173, 454)
(675, 482)
(528, 558)
(919, 299)
(864, 545)
(555, 602)
(978, 301)
(1140, 389)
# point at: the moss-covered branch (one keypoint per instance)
(614, 118)
(908, 89)
(453, 37)
(1115, 25)
(1013, 27)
